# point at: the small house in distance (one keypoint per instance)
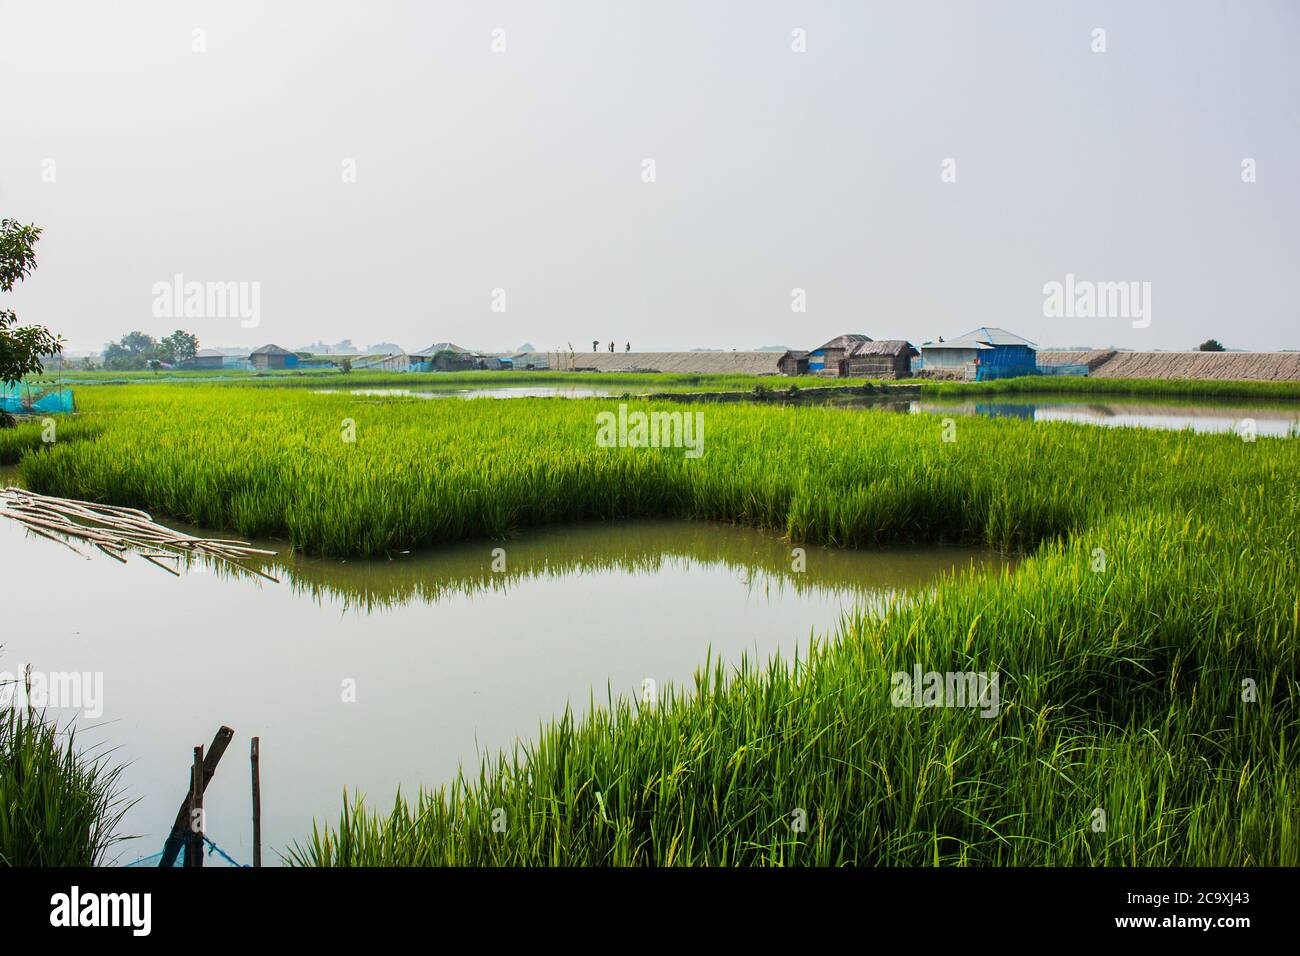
(443, 357)
(272, 356)
(985, 353)
(793, 362)
(826, 359)
(887, 358)
(399, 362)
(206, 358)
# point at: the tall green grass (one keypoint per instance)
(59, 805)
(274, 463)
(30, 435)
(1159, 587)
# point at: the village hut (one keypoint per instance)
(399, 362)
(887, 358)
(985, 353)
(826, 359)
(793, 363)
(272, 356)
(206, 359)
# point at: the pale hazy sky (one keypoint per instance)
(522, 170)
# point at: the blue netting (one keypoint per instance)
(153, 859)
(1062, 370)
(987, 373)
(20, 399)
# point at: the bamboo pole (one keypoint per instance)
(176, 840)
(115, 531)
(255, 757)
(197, 784)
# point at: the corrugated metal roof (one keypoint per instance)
(985, 335)
(270, 350)
(845, 342)
(380, 359)
(961, 343)
(995, 336)
(437, 347)
(885, 347)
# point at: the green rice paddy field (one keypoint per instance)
(1146, 644)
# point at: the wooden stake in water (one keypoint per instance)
(177, 839)
(256, 759)
(196, 811)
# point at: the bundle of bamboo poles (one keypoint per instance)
(117, 531)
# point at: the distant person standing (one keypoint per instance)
(611, 348)
(594, 344)
(628, 347)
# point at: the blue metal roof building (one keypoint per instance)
(984, 353)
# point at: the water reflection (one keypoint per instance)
(375, 674)
(1279, 420)
(759, 560)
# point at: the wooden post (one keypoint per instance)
(196, 809)
(176, 839)
(256, 758)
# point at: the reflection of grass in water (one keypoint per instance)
(1117, 405)
(763, 563)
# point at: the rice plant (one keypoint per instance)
(59, 805)
(32, 435)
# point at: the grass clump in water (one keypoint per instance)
(58, 806)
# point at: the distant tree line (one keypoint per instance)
(136, 350)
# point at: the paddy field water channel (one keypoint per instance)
(375, 674)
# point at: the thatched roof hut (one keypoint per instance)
(887, 358)
(826, 358)
(272, 356)
(793, 362)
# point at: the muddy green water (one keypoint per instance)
(372, 674)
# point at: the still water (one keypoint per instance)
(1201, 415)
(448, 657)
(1271, 419)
